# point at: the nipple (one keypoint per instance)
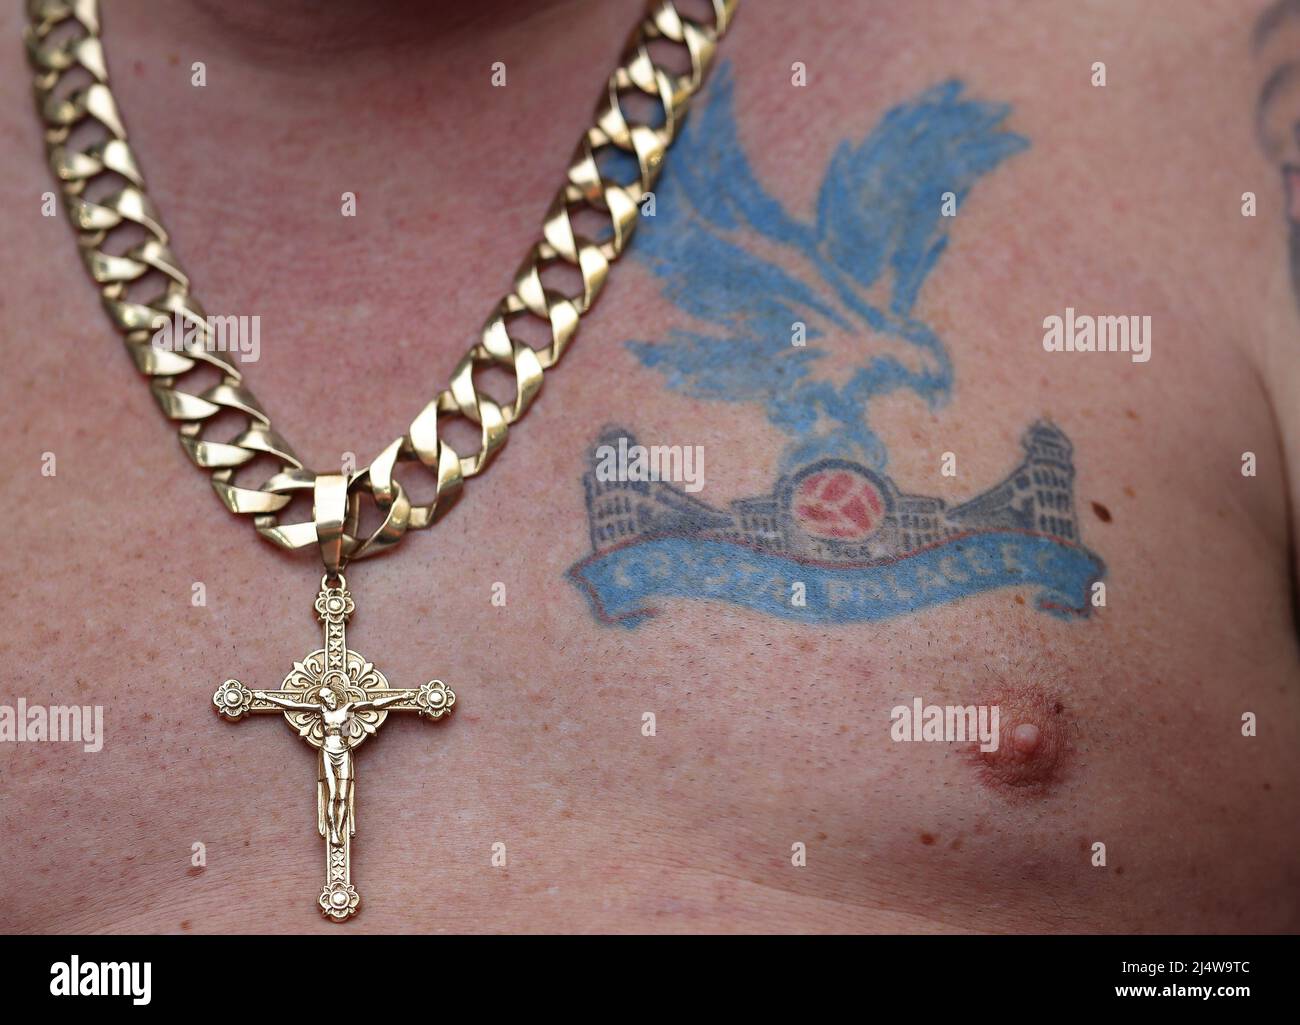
(1035, 731)
(1025, 738)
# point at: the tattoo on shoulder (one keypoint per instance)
(1277, 111)
(835, 539)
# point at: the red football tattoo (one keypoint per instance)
(838, 504)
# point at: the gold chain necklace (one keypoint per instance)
(334, 698)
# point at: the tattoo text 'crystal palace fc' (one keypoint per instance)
(860, 548)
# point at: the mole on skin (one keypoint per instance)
(1033, 746)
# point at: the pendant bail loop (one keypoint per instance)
(330, 512)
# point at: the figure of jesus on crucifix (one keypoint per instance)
(336, 751)
(334, 698)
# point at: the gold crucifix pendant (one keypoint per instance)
(334, 698)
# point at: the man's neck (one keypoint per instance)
(448, 166)
(296, 32)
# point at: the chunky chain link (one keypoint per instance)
(105, 196)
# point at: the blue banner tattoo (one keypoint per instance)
(861, 549)
(835, 525)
